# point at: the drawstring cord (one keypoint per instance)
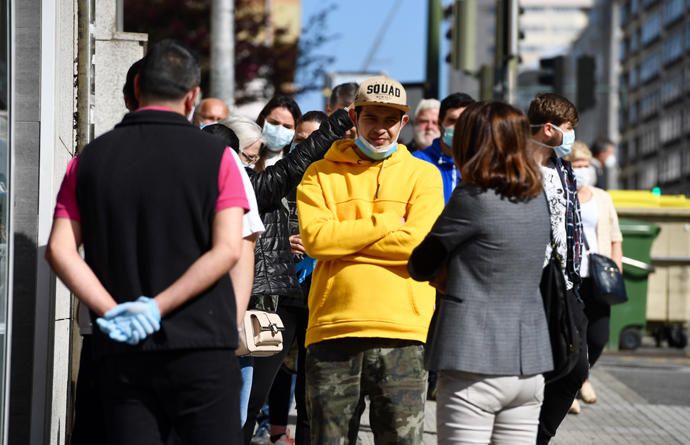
(379, 179)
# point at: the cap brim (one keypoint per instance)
(403, 108)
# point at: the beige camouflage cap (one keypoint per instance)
(384, 91)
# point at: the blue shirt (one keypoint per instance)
(445, 164)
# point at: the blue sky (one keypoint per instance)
(402, 49)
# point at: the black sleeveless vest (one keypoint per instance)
(147, 192)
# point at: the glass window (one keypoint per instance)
(632, 77)
(673, 47)
(634, 7)
(672, 88)
(650, 66)
(673, 9)
(634, 41)
(651, 28)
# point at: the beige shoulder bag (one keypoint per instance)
(260, 334)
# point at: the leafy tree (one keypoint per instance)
(276, 62)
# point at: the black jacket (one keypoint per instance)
(274, 272)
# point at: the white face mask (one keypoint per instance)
(611, 161)
(585, 176)
(276, 137)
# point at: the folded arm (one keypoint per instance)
(395, 247)
(324, 236)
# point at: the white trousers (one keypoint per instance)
(484, 409)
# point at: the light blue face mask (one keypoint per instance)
(566, 146)
(276, 136)
(376, 153)
(448, 135)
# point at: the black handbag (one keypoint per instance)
(608, 286)
(560, 307)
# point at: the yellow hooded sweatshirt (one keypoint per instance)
(361, 220)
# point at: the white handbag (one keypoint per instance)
(261, 334)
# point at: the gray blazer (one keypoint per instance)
(491, 319)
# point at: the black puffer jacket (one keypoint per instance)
(274, 272)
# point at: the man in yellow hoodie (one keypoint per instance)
(362, 210)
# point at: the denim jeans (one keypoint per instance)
(247, 370)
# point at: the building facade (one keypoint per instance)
(654, 124)
(549, 27)
(599, 40)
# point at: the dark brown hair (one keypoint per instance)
(550, 107)
(490, 148)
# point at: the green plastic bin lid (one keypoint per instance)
(635, 227)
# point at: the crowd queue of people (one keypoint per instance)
(385, 262)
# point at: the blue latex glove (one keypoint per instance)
(113, 330)
(131, 322)
(304, 268)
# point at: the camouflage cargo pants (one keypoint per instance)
(390, 372)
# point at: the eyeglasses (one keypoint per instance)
(247, 159)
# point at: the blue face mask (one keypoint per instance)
(448, 135)
(276, 136)
(375, 153)
(566, 146)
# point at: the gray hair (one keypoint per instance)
(246, 130)
(427, 104)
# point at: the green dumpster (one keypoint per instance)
(629, 319)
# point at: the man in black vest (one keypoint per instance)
(158, 207)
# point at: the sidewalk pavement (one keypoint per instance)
(620, 416)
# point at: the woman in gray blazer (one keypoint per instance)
(490, 342)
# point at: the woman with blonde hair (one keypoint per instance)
(603, 236)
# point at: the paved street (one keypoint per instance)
(644, 399)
